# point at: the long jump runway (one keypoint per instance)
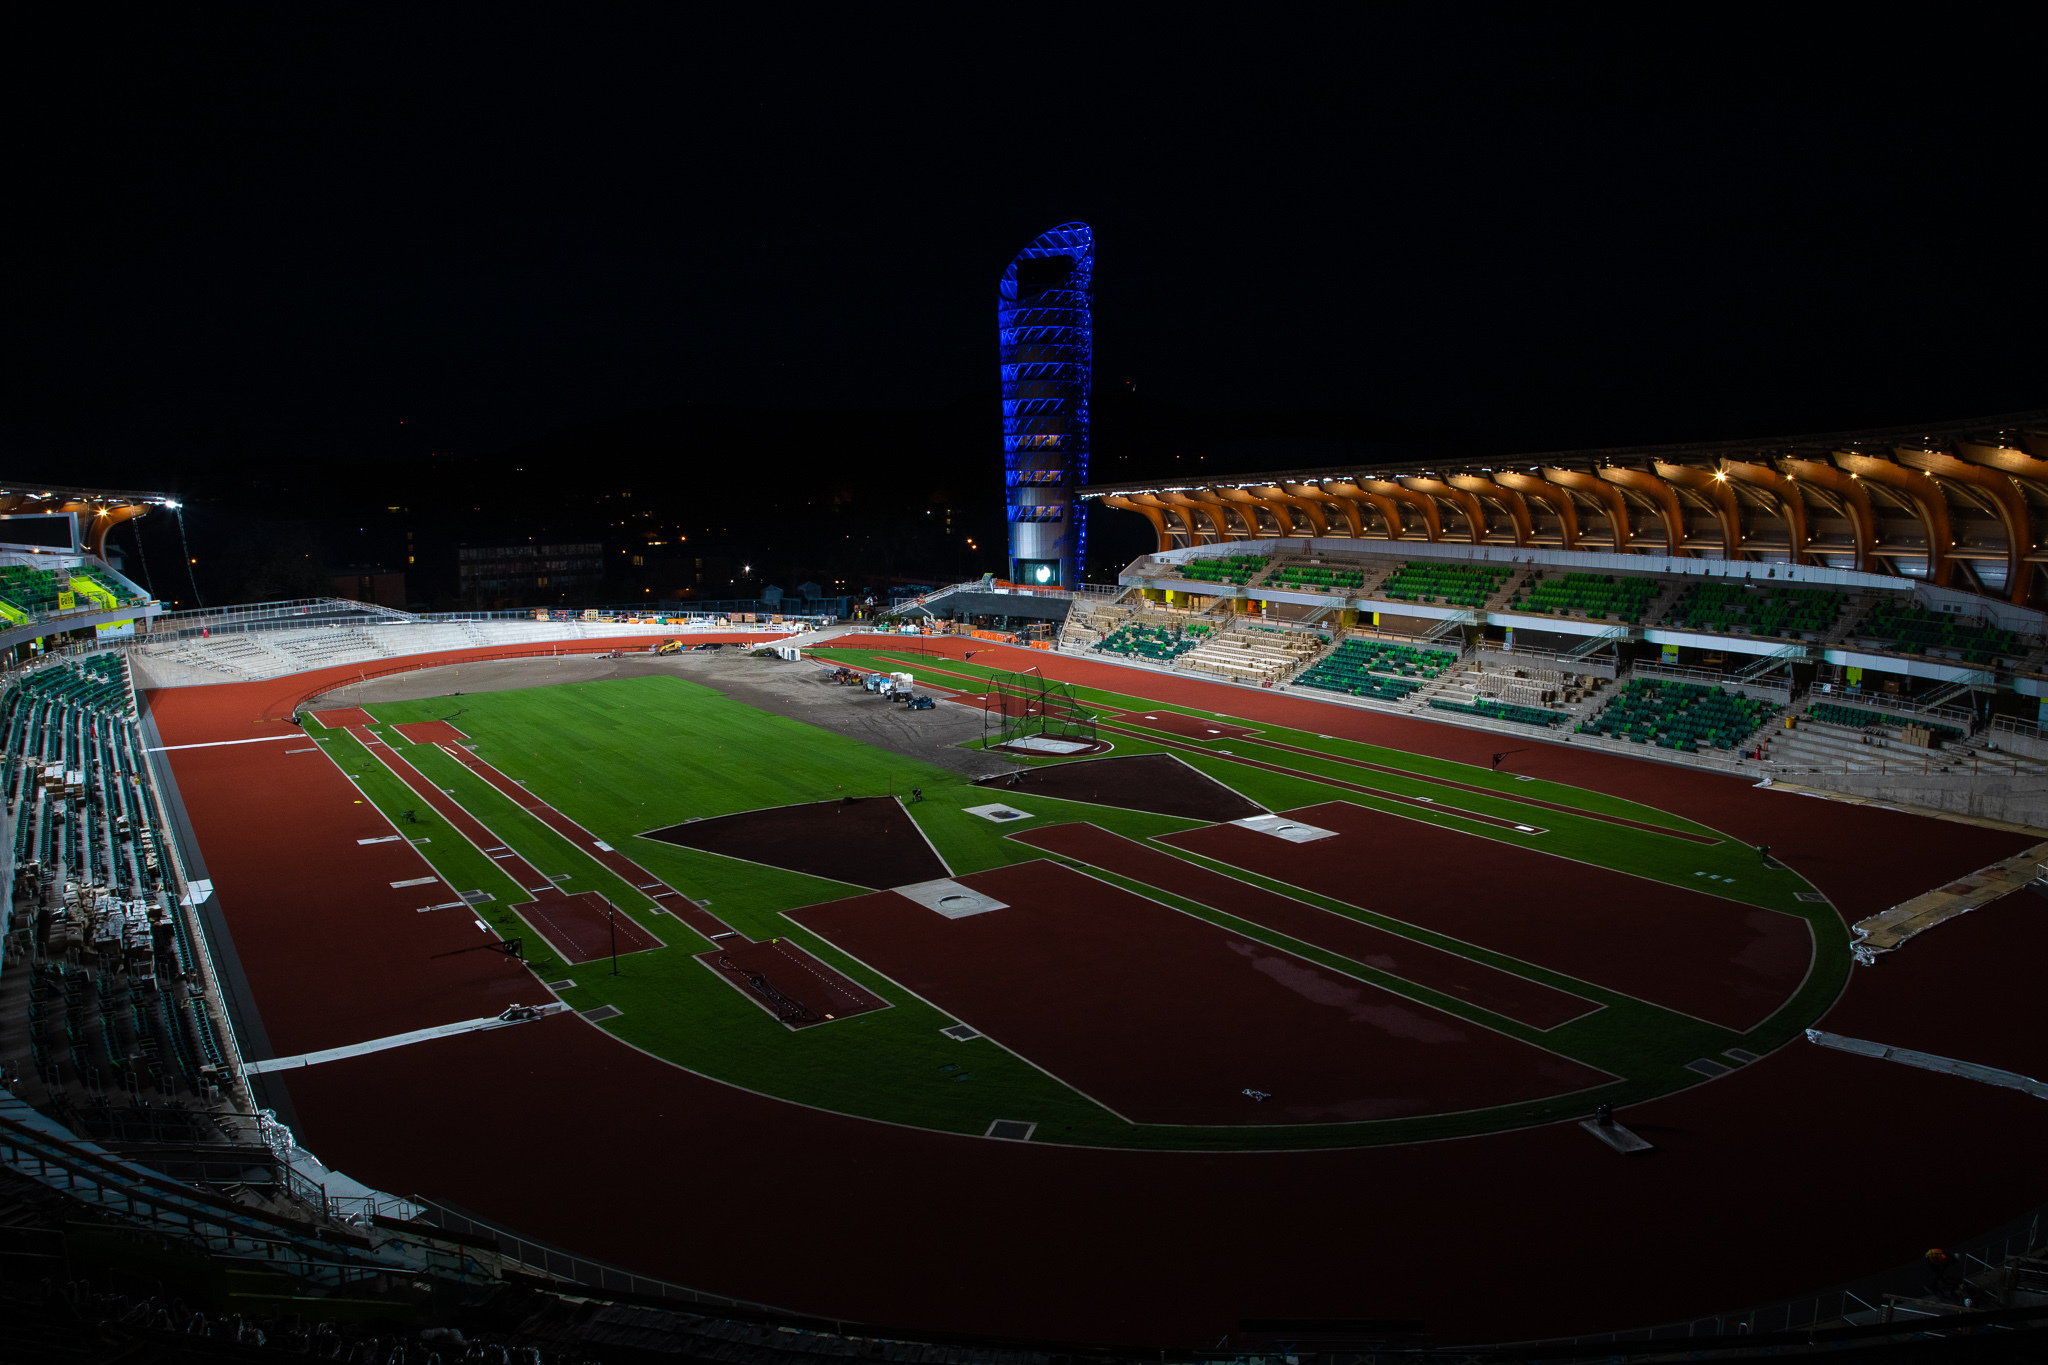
(1515, 997)
(1166, 1018)
(1718, 960)
(578, 927)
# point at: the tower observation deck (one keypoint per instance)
(1047, 348)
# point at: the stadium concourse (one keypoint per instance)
(1797, 1170)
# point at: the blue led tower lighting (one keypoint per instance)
(1047, 344)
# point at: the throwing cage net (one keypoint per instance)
(1022, 705)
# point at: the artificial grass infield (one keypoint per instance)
(628, 756)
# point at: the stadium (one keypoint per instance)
(1577, 906)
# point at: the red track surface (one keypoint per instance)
(1515, 997)
(1186, 726)
(581, 929)
(1174, 1247)
(1165, 1018)
(628, 871)
(343, 717)
(795, 973)
(337, 954)
(419, 731)
(1827, 842)
(1727, 963)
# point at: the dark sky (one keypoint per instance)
(293, 232)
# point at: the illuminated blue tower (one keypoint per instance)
(1047, 342)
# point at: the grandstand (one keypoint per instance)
(1746, 608)
(266, 642)
(1433, 904)
(117, 1001)
(1678, 715)
(1595, 597)
(1372, 668)
(1162, 644)
(1454, 584)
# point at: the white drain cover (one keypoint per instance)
(1280, 827)
(950, 899)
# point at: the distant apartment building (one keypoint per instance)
(528, 575)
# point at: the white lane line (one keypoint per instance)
(397, 1040)
(1927, 1061)
(215, 744)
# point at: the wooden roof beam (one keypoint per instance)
(2006, 499)
(1299, 508)
(1551, 496)
(1658, 491)
(1783, 490)
(1422, 503)
(1600, 491)
(1927, 502)
(1467, 505)
(1850, 496)
(1509, 501)
(1149, 512)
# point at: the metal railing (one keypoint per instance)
(1704, 677)
(566, 1265)
(1873, 1296)
(269, 617)
(1961, 719)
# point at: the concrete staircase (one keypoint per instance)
(1844, 750)
(1251, 654)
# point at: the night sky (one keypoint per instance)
(435, 231)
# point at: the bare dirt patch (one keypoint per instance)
(870, 841)
(1159, 783)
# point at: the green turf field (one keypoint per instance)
(622, 757)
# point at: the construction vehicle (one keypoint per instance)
(921, 704)
(669, 647)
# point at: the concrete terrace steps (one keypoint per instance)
(1249, 652)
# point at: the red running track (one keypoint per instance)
(796, 975)
(1830, 843)
(343, 718)
(560, 918)
(1165, 1018)
(1174, 1247)
(418, 731)
(336, 953)
(1715, 959)
(628, 871)
(1504, 993)
(584, 927)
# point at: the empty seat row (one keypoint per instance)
(1677, 715)
(1750, 609)
(1598, 596)
(1459, 585)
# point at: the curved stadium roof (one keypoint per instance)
(1961, 505)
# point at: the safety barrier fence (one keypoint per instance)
(1777, 693)
(1883, 1298)
(567, 1265)
(1877, 703)
(420, 663)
